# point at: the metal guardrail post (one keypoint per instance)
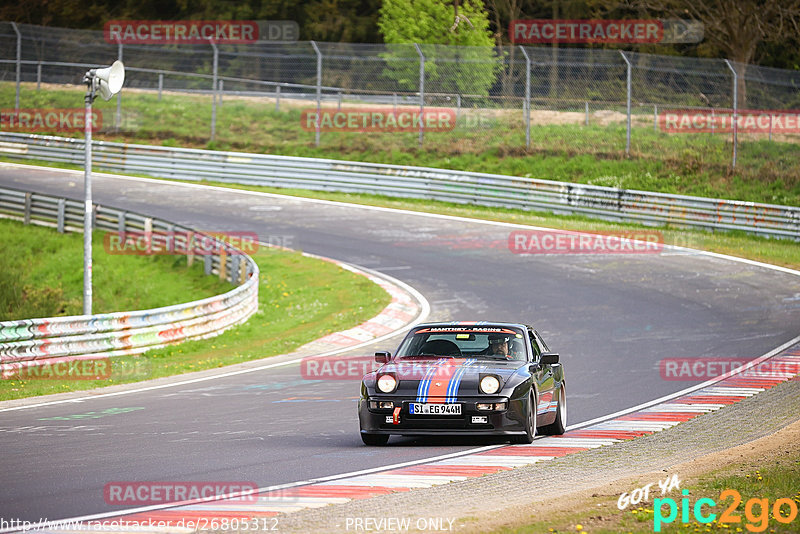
(628, 100)
(277, 98)
(27, 212)
(221, 91)
(19, 63)
(319, 92)
(38, 75)
(160, 84)
(527, 106)
(587, 113)
(214, 90)
(208, 264)
(735, 111)
(60, 215)
(421, 92)
(121, 221)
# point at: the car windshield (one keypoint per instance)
(482, 342)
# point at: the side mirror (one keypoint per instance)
(383, 356)
(549, 358)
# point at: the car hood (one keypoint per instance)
(426, 378)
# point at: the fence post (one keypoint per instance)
(527, 107)
(277, 98)
(214, 90)
(421, 92)
(458, 106)
(38, 75)
(160, 84)
(339, 102)
(319, 92)
(735, 111)
(587, 112)
(628, 132)
(19, 63)
(118, 116)
(221, 91)
(394, 101)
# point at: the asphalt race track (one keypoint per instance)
(611, 317)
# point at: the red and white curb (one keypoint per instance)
(271, 502)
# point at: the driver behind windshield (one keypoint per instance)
(498, 346)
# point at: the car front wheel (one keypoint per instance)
(530, 424)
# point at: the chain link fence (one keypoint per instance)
(528, 98)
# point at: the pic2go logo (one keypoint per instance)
(756, 511)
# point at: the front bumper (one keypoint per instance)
(510, 421)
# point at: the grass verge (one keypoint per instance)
(692, 164)
(741, 490)
(300, 299)
(41, 275)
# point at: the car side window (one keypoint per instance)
(534, 345)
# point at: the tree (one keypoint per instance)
(469, 68)
(736, 27)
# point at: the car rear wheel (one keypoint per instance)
(530, 424)
(557, 427)
(375, 439)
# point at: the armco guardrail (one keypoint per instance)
(33, 342)
(414, 182)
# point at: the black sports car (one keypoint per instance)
(465, 378)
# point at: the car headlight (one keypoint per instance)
(386, 383)
(490, 384)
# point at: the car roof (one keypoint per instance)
(474, 323)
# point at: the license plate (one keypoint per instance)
(434, 409)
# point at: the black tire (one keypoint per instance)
(530, 424)
(557, 427)
(375, 439)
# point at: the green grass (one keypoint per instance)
(41, 275)
(300, 299)
(779, 478)
(693, 164)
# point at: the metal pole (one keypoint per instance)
(87, 196)
(587, 112)
(221, 91)
(628, 133)
(277, 98)
(214, 91)
(160, 84)
(527, 106)
(19, 63)
(38, 75)
(319, 92)
(458, 106)
(394, 101)
(735, 111)
(421, 92)
(655, 117)
(118, 116)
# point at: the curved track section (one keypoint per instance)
(613, 318)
